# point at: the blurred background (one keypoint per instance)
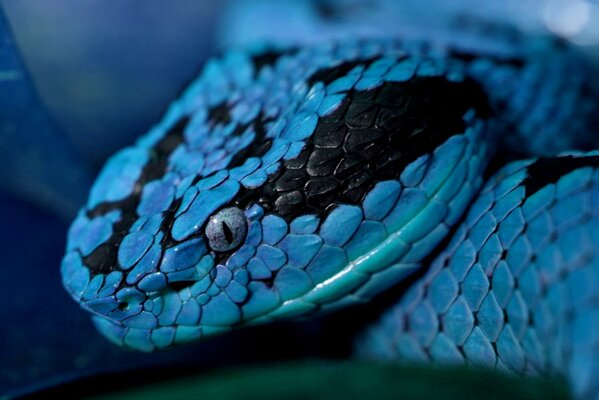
(105, 71)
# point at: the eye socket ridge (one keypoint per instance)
(226, 229)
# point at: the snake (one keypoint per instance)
(291, 181)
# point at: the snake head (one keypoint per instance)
(273, 190)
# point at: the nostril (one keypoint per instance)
(123, 306)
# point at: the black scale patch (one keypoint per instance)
(546, 171)
(220, 114)
(270, 57)
(371, 137)
(328, 75)
(104, 258)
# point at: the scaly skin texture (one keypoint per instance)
(515, 289)
(292, 181)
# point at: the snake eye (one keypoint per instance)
(226, 229)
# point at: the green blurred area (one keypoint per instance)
(346, 380)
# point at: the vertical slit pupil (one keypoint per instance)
(227, 232)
